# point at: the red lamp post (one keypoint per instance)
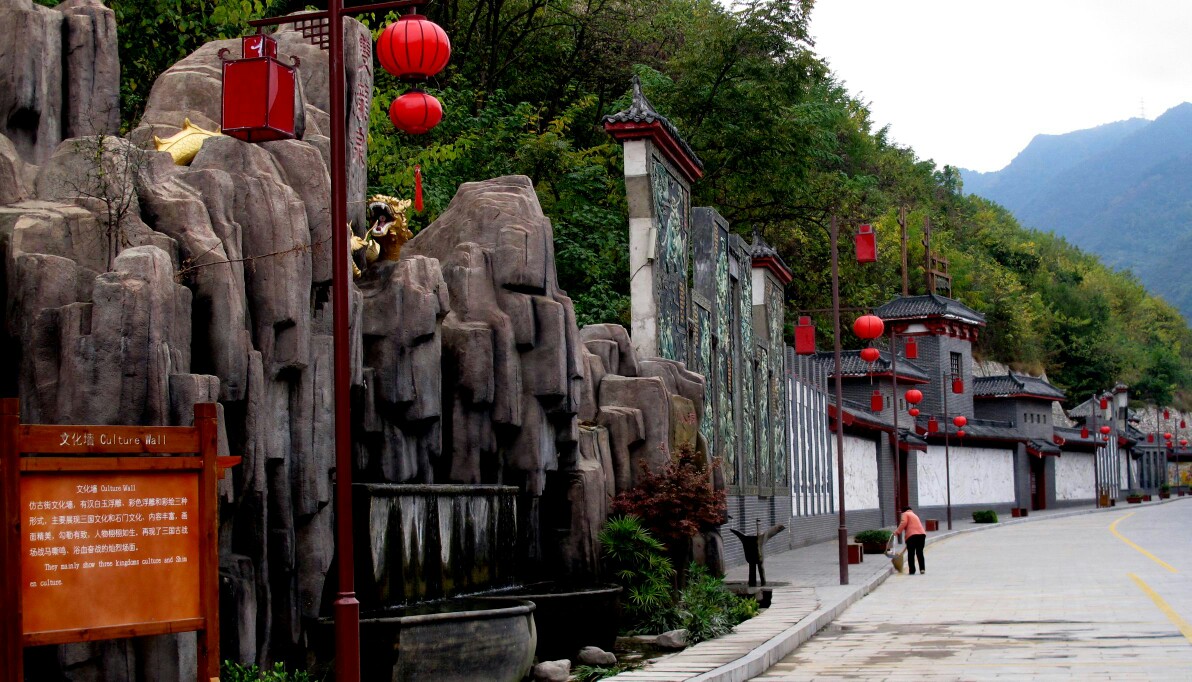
(346, 608)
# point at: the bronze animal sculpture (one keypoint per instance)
(388, 231)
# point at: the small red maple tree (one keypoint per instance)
(677, 501)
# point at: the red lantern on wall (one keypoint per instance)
(413, 48)
(875, 402)
(912, 349)
(1150, 438)
(957, 385)
(1105, 403)
(258, 92)
(914, 412)
(805, 337)
(866, 244)
(415, 112)
(1183, 425)
(914, 396)
(960, 421)
(1084, 432)
(870, 354)
(1166, 413)
(868, 327)
(1105, 430)
(933, 425)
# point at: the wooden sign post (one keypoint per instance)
(102, 547)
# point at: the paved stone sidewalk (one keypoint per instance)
(812, 598)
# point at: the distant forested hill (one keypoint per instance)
(1122, 191)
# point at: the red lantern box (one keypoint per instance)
(912, 349)
(258, 93)
(875, 402)
(866, 245)
(957, 385)
(805, 337)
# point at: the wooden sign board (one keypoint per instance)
(108, 547)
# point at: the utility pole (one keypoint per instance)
(928, 276)
(906, 287)
(842, 530)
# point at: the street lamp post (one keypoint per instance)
(947, 451)
(842, 530)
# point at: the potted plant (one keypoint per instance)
(1164, 491)
(1134, 496)
(986, 516)
(873, 541)
(1015, 512)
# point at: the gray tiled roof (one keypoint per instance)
(1015, 384)
(1072, 436)
(641, 111)
(851, 365)
(930, 305)
(1044, 446)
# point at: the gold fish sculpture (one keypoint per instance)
(184, 144)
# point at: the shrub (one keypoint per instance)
(591, 673)
(707, 609)
(636, 561)
(234, 672)
(876, 536)
(1135, 493)
(1164, 488)
(987, 516)
(677, 501)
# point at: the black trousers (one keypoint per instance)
(914, 546)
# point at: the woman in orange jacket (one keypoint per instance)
(916, 537)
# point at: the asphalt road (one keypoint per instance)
(1104, 596)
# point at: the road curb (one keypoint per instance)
(781, 645)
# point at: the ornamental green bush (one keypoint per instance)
(878, 536)
(234, 672)
(987, 516)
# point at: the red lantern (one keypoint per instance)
(914, 396)
(960, 433)
(1105, 429)
(1167, 436)
(1150, 438)
(933, 426)
(1104, 403)
(866, 245)
(258, 93)
(1183, 425)
(1183, 442)
(875, 402)
(914, 412)
(805, 337)
(415, 112)
(960, 420)
(1084, 432)
(870, 354)
(1166, 413)
(868, 327)
(912, 350)
(1105, 438)
(957, 385)
(413, 48)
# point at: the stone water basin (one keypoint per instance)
(569, 616)
(458, 640)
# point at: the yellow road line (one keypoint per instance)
(1113, 529)
(1184, 627)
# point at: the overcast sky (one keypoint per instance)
(970, 82)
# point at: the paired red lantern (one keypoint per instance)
(805, 337)
(1105, 438)
(866, 244)
(415, 112)
(258, 92)
(960, 421)
(1105, 429)
(868, 327)
(870, 354)
(960, 433)
(413, 48)
(912, 349)
(914, 396)
(914, 412)
(957, 385)
(875, 402)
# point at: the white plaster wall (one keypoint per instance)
(979, 476)
(1074, 476)
(860, 473)
(1123, 462)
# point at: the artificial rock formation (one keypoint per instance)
(130, 300)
